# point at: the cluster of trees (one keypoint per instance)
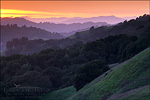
(88, 72)
(15, 42)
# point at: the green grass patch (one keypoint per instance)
(61, 94)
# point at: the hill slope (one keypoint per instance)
(126, 81)
(132, 74)
(136, 26)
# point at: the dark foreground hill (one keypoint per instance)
(126, 81)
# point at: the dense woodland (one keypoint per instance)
(55, 69)
(76, 65)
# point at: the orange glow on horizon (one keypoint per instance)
(47, 9)
(34, 14)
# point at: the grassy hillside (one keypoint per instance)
(126, 81)
(61, 94)
(132, 74)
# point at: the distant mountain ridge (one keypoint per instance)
(51, 27)
(65, 20)
(107, 19)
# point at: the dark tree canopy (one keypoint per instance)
(88, 72)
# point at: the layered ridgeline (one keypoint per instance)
(9, 32)
(136, 27)
(53, 27)
(126, 81)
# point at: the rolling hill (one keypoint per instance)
(9, 32)
(126, 81)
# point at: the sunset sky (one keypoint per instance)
(47, 9)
